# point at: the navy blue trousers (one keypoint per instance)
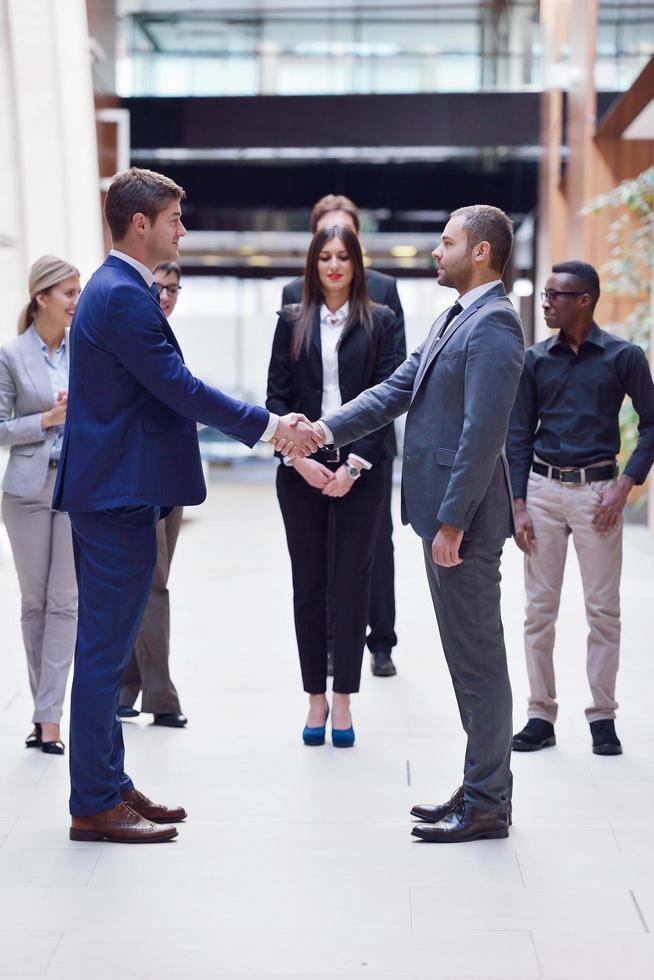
(115, 555)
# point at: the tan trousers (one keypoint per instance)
(558, 511)
(147, 670)
(42, 546)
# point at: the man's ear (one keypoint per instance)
(140, 223)
(481, 252)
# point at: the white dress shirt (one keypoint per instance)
(331, 329)
(273, 421)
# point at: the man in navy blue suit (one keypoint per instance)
(132, 408)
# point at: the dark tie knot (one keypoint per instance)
(451, 313)
(155, 293)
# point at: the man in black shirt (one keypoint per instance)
(563, 438)
(336, 209)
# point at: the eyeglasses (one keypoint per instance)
(551, 295)
(171, 290)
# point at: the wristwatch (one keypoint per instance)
(353, 471)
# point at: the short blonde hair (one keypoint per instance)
(45, 273)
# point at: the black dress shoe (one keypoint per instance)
(605, 741)
(537, 734)
(53, 748)
(126, 711)
(171, 719)
(382, 665)
(33, 740)
(464, 824)
(432, 814)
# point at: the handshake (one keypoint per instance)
(296, 437)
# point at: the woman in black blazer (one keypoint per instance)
(327, 349)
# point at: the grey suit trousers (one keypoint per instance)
(42, 546)
(466, 601)
(148, 670)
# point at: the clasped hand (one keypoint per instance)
(296, 437)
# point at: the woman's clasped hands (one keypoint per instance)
(332, 483)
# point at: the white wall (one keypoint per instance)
(49, 178)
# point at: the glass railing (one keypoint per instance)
(402, 48)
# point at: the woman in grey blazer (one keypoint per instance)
(33, 396)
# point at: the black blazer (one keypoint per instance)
(381, 289)
(296, 386)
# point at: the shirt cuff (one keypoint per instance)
(270, 429)
(359, 459)
(329, 435)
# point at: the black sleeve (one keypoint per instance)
(371, 446)
(393, 300)
(280, 376)
(523, 423)
(639, 387)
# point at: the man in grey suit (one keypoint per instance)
(458, 388)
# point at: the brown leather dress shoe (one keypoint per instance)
(121, 825)
(156, 812)
(433, 813)
(464, 824)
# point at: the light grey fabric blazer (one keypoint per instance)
(458, 392)
(25, 393)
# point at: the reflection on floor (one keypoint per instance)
(298, 862)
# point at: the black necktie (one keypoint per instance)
(154, 292)
(451, 313)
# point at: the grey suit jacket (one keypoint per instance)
(458, 392)
(25, 393)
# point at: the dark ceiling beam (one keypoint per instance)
(625, 109)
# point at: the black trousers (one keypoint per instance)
(306, 513)
(381, 616)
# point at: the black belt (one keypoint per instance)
(327, 455)
(578, 475)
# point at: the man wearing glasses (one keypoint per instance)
(147, 671)
(562, 444)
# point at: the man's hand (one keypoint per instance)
(296, 437)
(313, 472)
(612, 502)
(445, 546)
(524, 529)
(341, 483)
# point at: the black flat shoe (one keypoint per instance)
(53, 748)
(382, 665)
(171, 719)
(537, 734)
(605, 741)
(33, 740)
(126, 711)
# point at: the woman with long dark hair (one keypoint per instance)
(326, 350)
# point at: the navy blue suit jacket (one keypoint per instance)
(130, 436)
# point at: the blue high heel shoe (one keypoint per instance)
(315, 736)
(343, 738)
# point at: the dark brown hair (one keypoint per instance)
(169, 267)
(485, 223)
(137, 191)
(313, 296)
(333, 202)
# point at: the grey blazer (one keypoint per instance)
(458, 392)
(25, 393)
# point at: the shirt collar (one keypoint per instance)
(135, 264)
(595, 337)
(473, 294)
(341, 314)
(42, 344)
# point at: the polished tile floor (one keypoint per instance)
(298, 862)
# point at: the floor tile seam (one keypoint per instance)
(535, 952)
(639, 911)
